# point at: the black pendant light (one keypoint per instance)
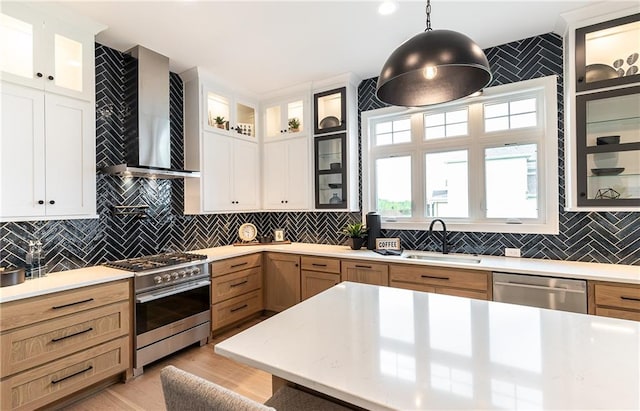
(433, 67)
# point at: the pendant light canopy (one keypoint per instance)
(433, 67)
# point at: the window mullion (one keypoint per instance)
(476, 166)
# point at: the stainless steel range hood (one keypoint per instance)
(147, 129)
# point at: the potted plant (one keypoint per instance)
(219, 121)
(356, 233)
(294, 125)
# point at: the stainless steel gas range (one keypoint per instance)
(172, 310)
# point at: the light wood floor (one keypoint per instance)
(145, 392)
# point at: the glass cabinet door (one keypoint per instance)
(607, 54)
(17, 45)
(331, 174)
(608, 133)
(218, 111)
(245, 120)
(284, 118)
(330, 111)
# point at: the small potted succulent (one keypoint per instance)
(294, 125)
(356, 233)
(219, 121)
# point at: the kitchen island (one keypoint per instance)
(383, 348)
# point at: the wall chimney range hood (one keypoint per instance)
(147, 130)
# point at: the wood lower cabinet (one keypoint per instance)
(58, 344)
(318, 274)
(236, 290)
(282, 281)
(451, 281)
(365, 272)
(614, 300)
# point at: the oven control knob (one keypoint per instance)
(190, 272)
(182, 274)
(166, 277)
(196, 270)
(175, 276)
(157, 279)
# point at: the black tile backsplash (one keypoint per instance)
(601, 237)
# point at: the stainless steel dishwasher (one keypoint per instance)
(544, 292)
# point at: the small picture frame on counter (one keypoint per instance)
(278, 234)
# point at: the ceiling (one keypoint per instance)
(261, 46)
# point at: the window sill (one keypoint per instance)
(524, 228)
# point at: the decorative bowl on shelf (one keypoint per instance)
(335, 185)
(599, 72)
(329, 122)
(607, 171)
(335, 166)
(604, 140)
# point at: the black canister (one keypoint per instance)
(373, 229)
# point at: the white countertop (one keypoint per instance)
(62, 281)
(555, 268)
(386, 348)
(66, 280)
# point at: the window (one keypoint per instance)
(485, 164)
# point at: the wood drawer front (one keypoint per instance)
(31, 346)
(440, 276)
(40, 386)
(231, 265)
(623, 314)
(232, 285)
(364, 272)
(32, 310)
(440, 290)
(327, 265)
(617, 296)
(314, 282)
(411, 286)
(236, 309)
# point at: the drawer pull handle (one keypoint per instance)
(363, 266)
(233, 310)
(72, 335)
(72, 375)
(239, 284)
(56, 307)
(239, 265)
(629, 298)
(318, 265)
(435, 277)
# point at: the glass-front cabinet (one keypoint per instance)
(607, 53)
(285, 118)
(608, 145)
(330, 111)
(44, 52)
(227, 114)
(331, 171)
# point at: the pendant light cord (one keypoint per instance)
(428, 10)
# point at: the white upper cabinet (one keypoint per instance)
(226, 152)
(47, 153)
(287, 174)
(286, 117)
(41, 50)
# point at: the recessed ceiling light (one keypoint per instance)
(387, 7)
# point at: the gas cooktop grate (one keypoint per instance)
(155, 261)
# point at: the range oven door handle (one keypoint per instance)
(145, 298)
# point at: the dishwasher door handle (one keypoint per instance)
(538, 287)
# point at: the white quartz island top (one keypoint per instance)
(556, 268)
(384, 348)
(62, 281)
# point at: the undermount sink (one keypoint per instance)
(466, 259)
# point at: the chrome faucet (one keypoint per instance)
(445, 244)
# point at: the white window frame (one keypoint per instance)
(547, 163)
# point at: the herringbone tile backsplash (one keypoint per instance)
(599, 237)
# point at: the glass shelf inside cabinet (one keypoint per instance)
(614, 175)
(608, 53)
(330, 155)
(613, 123)
(218, 111)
